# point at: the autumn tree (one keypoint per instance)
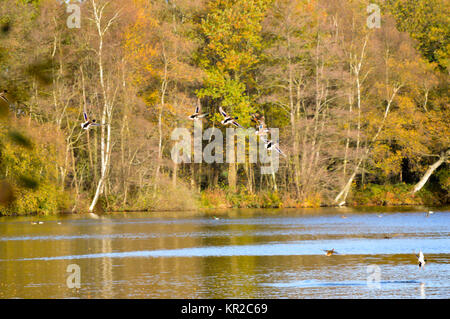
(232, 44)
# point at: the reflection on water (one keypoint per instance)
(422, 291)
(314, 283)
(244, 254)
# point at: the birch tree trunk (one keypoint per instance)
(160, 132)
(108, 102)
(344, 192)
(430, 172)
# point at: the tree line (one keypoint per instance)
(362, 111)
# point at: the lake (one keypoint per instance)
(250, 253)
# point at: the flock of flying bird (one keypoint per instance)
(262, 130)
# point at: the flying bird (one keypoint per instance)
(271, 145)
(421, 259)
(87, 125)
(330, 252)
(228, 119)
(262, 130)
(197, 114)
(257, 118)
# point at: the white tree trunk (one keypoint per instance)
(429, 172)
(108, 102)
(344, 192)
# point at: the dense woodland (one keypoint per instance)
(363, 113)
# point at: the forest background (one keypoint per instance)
(363, 111)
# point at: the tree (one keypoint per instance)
(229, 56)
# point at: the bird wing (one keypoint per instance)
(237, 124)
(279, 151)
(95, 124)
(202, 115)
(85, 116)
(421, 257)
(197, 109)
(257, 118)
(224, 114)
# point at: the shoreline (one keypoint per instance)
(219, 211)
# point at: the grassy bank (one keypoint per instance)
(182, 198)
(369, 195)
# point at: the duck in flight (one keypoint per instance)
(197, 114)
(262, 130)
(228, 119)
(87, 125)
(330, 252)
(421, 259)
(271, 145)
(257, 118)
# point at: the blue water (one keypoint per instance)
(244, 254)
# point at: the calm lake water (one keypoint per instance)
(243, 254)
